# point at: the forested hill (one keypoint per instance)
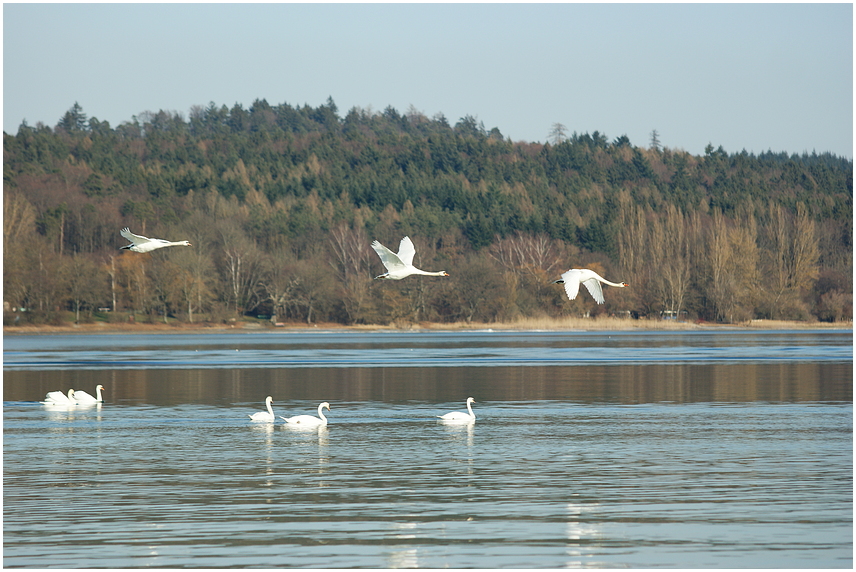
(282, 203)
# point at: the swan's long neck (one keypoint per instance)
(269, 408)
(607, 282)
(98, 393)
(425, 273)
(71, 395)
(470, 409)
(321, 413)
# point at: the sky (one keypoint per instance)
(754, 77)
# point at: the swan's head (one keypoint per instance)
(268, 399)
(624, 284)
(325, 404)
(444, 273)
(99, 386)
(470, 400)
(185, 243)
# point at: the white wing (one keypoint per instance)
(57, 396)
(303, 420)
(593, 286)
(388, 257)
(456, 416)
(83, 396)
(135, 238)
(572, 283)
(406, 251)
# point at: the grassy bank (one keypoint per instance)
(525, 324)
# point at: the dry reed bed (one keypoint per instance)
(523, 324)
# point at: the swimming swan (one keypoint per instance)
(59, 398)
(83, 397)
(400, 265)
(590, 279)
(265, 415)
(308, 420)
(143, 244)
(459, 417)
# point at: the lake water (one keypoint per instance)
(621, 449)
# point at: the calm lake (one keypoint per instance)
(702, 449)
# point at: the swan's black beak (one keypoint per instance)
(559, 281)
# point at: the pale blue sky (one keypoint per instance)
(745, 76)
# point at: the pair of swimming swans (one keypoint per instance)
(310, 421)
(302, 420)
(74, 397)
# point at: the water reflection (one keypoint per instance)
(582, 533)
(404, 534)
(265, 430)
(309, 442)
(680, 383)
(597, 465)
(459, 431)
(71, 412)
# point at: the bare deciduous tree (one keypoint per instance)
(558, 134)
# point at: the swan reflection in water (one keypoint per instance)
(68, 411)
(582, 535)
(310, 438)
(266, 430)
(407, 557)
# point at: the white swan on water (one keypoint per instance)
(83, 397)
(143, 244)
(590, 279)
(308, 420)
(265, 415)
(400, 265)
(59, 398)
(460, 417)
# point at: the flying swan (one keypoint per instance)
(400, 265)
(459, 417)
(143, 244)
(59, 398)
(83, 397)
(308, 420)
(265, 415)
(590, 279)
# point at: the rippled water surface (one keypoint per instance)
(723, 449)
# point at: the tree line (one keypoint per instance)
(282, 203)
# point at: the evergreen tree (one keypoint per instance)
(74, 120)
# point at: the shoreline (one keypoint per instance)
(531, 324)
